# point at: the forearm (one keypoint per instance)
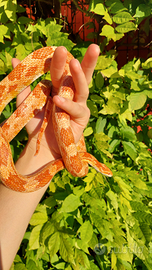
(16, 210)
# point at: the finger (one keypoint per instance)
(57, 65)
(26, 91)
(78, 113)
(80, 82)
(89, 61)
(15, 62)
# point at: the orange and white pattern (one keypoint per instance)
(74, 157)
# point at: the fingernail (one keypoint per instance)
(78, 63)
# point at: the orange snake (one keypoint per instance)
(74, 157)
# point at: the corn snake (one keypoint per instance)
(74, 157)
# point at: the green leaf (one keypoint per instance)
(88, 186)
(86, 231)
(20, 9)
(146, 230)
(101, 142)
(66, 250)
(88, 131)
(126, 27)
(57, 38)
(46, 231)
(24, 20)
(107, 31)
(19, 266)
(83, 260)
(3, 17)
(113, 260)
(135, 246)
(142, 11)
(122, 17)
(50, 202)
(3, 32)
(89, 178)
(32, 265)
(125, 255)
(39, 218)
(136, 179)
(100, 124)
(54, 244)
(10, 9)
(137, 65)
(116, 6)
(82, 245)
(97, 7)
(127, 133)
(8, 62)
(147, 64)
(125, 115)
(97, 220)
(2, 67)
(110, 72)
(124, 264)
(124, 187)
(107, 17)
(130, 149)
(34, 237)
(113, 145)
(21, 52)
(148, 93)
(70, 204)
(133, 75)
(99, 80)
(97, 99)
(93, 108)
(112, 107)
(135, 86)
(52, 187)
(113, 198)
(137, 100)
(103, 62)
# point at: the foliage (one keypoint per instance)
(94, 222)
(116, 18)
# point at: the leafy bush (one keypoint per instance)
(94, 222)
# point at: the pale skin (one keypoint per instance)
(17, 208)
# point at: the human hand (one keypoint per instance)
(16, 208)
(77, 109)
